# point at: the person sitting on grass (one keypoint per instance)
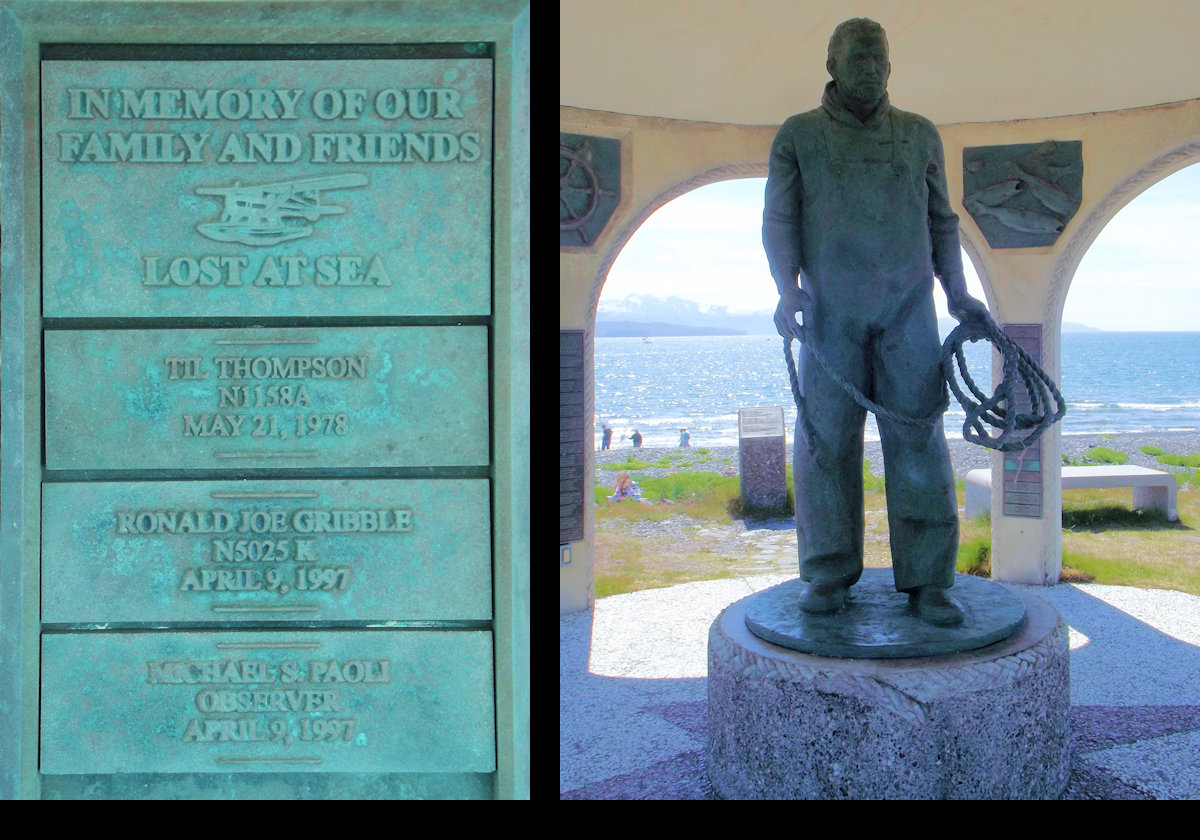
(625, 488)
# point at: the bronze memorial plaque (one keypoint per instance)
(266, 506)
(236, 702)
(266, 188)
(216, 552)
(189, 399)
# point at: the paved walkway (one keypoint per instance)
(632, 691)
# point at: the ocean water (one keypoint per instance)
(1112, 382)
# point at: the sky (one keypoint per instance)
(1141, 274)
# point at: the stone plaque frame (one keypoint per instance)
(31, 31)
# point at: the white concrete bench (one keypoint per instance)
(1152, 489)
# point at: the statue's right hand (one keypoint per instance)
(792, 302)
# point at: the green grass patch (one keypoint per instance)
(690, 486)
(975, 556)
(633, 578)
(1102, 515)
(1104, 455)
(1192, 461)
(630, 463)
(705, 495)
(1152, 450)
(1146, 572)
(870, 480)
(1104, 541)
(671, 460)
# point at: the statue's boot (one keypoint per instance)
(823, 597)
(936, 605)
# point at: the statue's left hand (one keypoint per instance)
(966, 308)
(793, 301)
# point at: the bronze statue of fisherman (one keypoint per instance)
(857, 224)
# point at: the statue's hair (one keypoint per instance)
(854, 26)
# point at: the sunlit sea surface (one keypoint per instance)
(1113, 382)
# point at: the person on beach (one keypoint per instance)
(684, 439)
(637, 439)
(606, 442)
(856, 224)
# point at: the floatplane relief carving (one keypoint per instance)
(263, 214)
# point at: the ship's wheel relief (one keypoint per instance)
(589, 187)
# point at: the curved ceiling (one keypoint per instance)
(759, 61)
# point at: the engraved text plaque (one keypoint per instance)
(265, 551)
(266, 398)
(280, 188)
(362, 702)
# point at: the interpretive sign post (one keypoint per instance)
(762, 459)
(264, 400)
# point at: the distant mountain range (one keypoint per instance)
(645, 329)
(640, 315)
(646, 315)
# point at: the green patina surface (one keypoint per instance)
(362, 702)
(294, 194)
(355, 398)
(278, 188)
(238, 552)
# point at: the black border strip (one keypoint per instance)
(366, 625)
(160, 322)
(53, 476)
(262, 52)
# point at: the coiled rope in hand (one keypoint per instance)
(1018, 430)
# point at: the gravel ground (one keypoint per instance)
(633, 704)
(633, 691)
(964, 456)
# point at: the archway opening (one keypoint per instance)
(684, 338)
(1131, 378)
(1129, 321)
(684, 329)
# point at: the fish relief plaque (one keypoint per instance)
(1022, 195)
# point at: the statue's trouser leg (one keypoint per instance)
(827, 461)
(922, 507)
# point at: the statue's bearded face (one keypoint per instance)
(861, 67)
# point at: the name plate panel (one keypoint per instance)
(765, 421)
(195, 552)
(361, 702)
(232, 399)
(281, 188)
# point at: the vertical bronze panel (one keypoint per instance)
(570, 436)
(1023, 468)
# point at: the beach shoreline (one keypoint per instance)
(963, 455)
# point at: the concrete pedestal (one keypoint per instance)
(987, 724)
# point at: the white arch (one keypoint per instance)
(1158, 169)
(723, 172)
